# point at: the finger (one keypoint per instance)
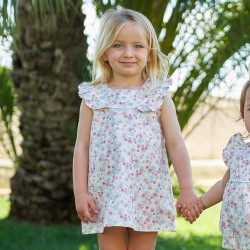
(197, 211)
(191, 216)
(83, 218)
(93, 207)
(188, 216)
(179, 211)
(193, 212)
(184, 213)
(89, 216)
(177, 207)
(183, 208)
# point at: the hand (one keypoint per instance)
(186, 213)
(86, 208)
(189, 205)
(182, 209)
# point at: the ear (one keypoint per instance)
(104, 57)
(149, 57)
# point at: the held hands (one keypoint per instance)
(86, 208)
(189, 205)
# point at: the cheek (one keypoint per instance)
(144, 54)
(144, 57)
(247, 120)
(115, 55)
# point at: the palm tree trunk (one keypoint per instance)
(45, 76)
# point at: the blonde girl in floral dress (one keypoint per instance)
(121, 178)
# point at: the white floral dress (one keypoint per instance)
(128, 167)
(235, 211)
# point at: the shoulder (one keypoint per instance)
(161, 85)
(154, 94)
(86, 87)
(234, 143)
(89, 93)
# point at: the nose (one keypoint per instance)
(128, 51)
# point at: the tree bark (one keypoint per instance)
(45, 62)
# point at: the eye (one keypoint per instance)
(117, 45)
(138, 46)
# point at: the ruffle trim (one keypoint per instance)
(144, 99)
(233, 144)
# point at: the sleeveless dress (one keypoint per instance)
(235, 210)
(128, 166)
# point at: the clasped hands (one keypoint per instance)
(189, 206)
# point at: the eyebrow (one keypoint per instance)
(120, 41)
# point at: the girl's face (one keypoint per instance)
(247, 110)
(128, 55)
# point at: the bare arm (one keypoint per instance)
(215, 193)
(85, 204)
(180, 158)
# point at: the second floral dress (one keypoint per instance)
(235, 211)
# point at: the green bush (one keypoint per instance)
(7, 111)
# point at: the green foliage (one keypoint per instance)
(7, 18)
(7, 111)
(199, 36)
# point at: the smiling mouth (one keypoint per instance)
(128, 62)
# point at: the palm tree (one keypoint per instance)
(49, 47)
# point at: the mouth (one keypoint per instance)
(128, 63)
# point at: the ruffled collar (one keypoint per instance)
(239, 140)
(144, 98)
(143, 87)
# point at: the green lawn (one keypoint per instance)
(202, 235)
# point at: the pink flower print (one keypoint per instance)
(122, 161)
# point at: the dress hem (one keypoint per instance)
(172, 229)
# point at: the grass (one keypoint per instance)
(202, 235)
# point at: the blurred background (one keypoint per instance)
(46, 50)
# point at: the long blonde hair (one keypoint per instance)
(111, 23)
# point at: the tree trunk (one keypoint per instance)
(45, 76)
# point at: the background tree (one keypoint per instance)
(49, 48)
(49, 51)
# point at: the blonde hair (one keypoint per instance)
(111, 23)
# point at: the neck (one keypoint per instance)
(126, 82)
